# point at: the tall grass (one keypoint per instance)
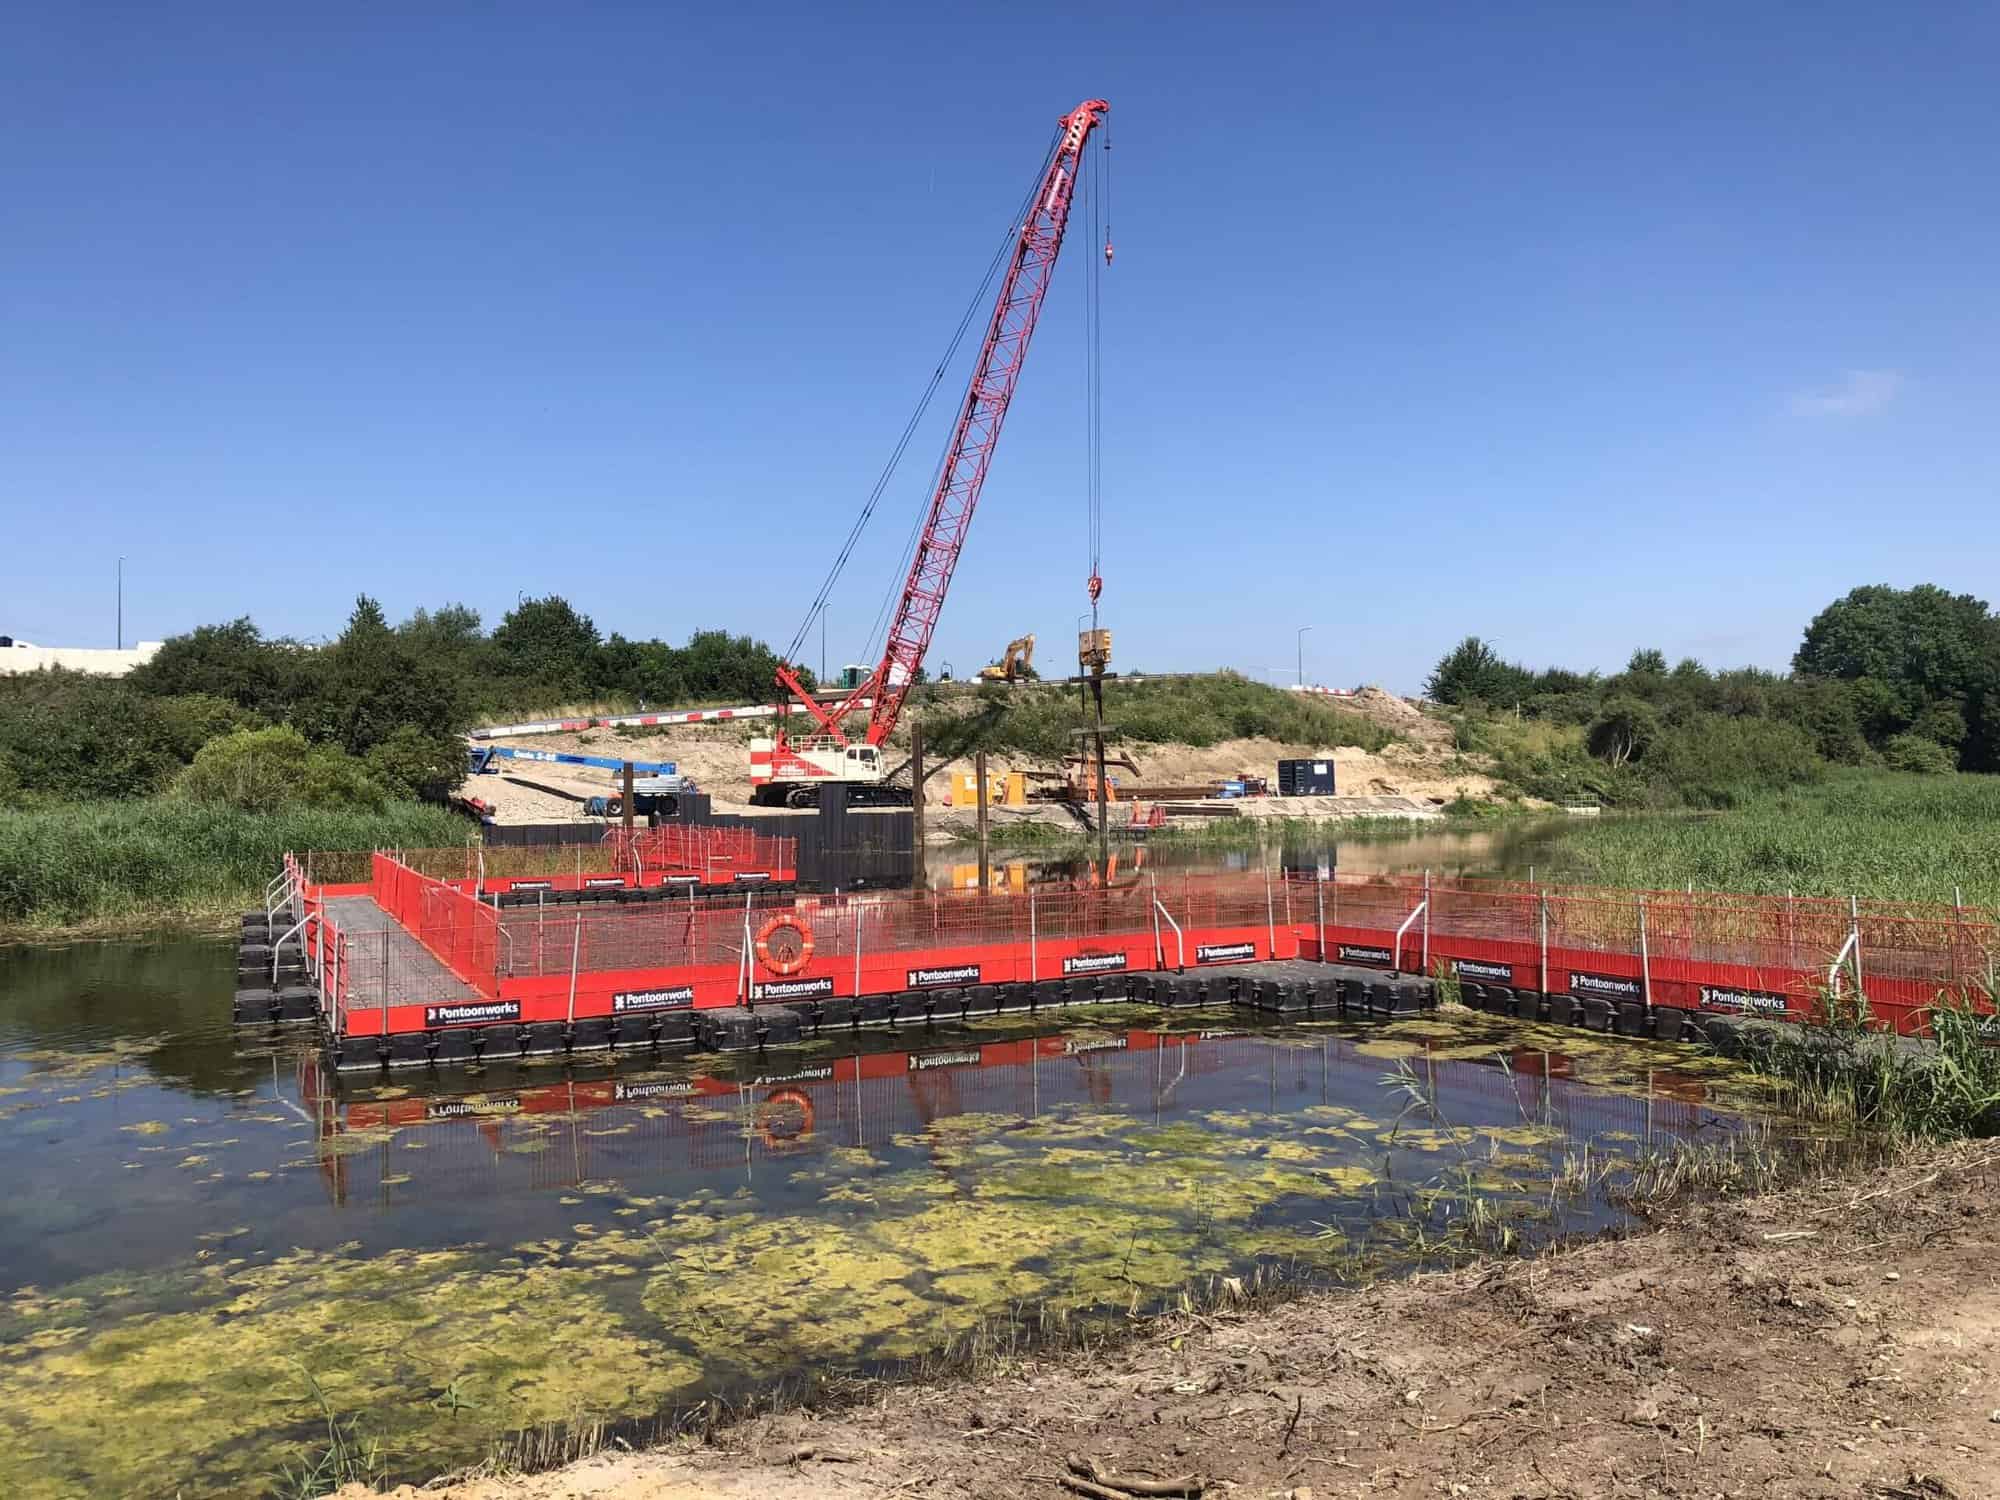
(1941, 1090)
(165, 860)
(1862, 833)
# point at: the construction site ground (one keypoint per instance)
(1839, 1341)
(1421, 768)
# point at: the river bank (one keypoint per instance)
(1842, 1337)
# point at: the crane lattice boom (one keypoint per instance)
(971, 452)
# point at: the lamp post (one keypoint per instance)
(121, 604)
(1302, 653)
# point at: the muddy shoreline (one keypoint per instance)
(1838, 1339)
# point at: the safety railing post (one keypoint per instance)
(1031, 935)
(334, 999)
(1319, 910)
(1645, 957)
(1270, 915)
(1427, 921)
(1542, 900)
(859, 912)
(382, 986)
(1957, 939)
(1854, 923)
(575, 962)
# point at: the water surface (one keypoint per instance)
(1511, 849)
(207, 1246)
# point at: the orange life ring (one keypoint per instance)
(771, 1111)
(789, 954)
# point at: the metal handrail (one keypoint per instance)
(1180, 942)
(1833, 969)
(271, 889)
(278, 947)
(1396, 949)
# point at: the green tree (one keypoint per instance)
(72, 737)
(1921, 640)
(191, 720)
(231, 661)
(1624, 731)
(1472, 672)
(451, 631)
(370, 684)
(1912, 752)
(1925, 646)
(413, 764)
(1715, 761)
(261, 770)
(1942, 722)
(548, 642)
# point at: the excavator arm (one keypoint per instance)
(1016, 661)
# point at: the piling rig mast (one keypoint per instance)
(789, 770)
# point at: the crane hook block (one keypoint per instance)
(1096, 587)
(1107, 249)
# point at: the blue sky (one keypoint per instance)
(1579, 327)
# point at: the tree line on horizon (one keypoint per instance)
(227, 714)
(1898, 679)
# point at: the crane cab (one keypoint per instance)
(789, 773)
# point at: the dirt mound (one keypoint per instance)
(1421, 764)
(1398, 715)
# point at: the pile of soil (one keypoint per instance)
(1839, 1340)
(1423, 765)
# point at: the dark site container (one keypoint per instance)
(1305, 778)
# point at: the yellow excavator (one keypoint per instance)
(1014, 664)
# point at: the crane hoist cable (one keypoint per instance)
(881, 485)
(1096, 188)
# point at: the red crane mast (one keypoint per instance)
(971, 452)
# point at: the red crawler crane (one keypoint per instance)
(791, 771)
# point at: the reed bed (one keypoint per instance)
(1858, 833)
(163, 861)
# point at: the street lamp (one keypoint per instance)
(1302, 653)
(121, 604)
